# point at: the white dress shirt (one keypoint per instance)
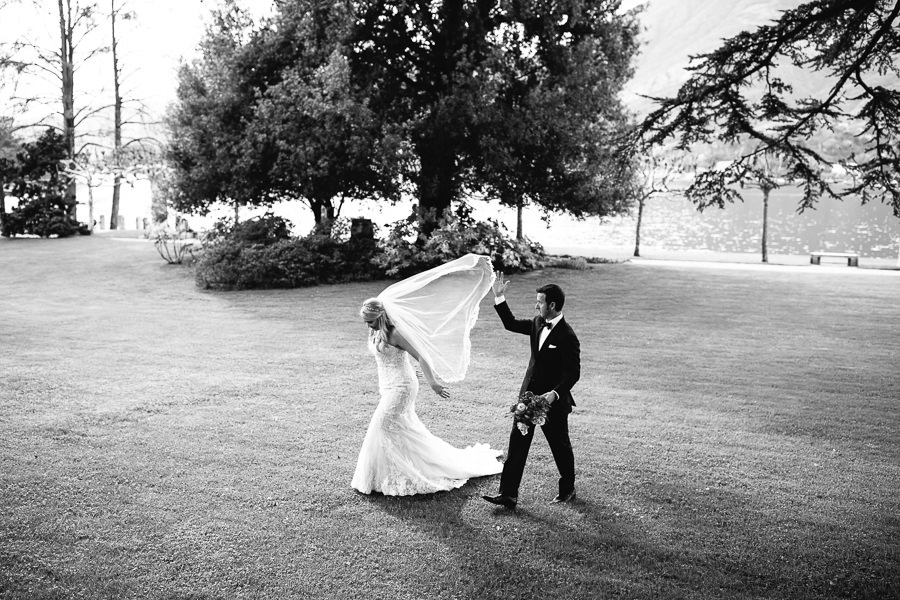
(544, 331)
(543, 337)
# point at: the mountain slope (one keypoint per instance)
(675, 30)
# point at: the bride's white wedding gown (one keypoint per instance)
(399, 456)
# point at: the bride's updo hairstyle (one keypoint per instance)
(373, 310)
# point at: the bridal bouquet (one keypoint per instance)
(529, 410)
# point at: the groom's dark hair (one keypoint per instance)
(553, 293)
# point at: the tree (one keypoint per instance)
(89, 168)
(130, 122)
(208, 145)
(653, 177)
(44, 208)
(319, 144)
(8, 147)
(766, 173)
(114, 15)
(75, 22)
(517, 100)
(740, 94)
(270, 114)
(57, 60)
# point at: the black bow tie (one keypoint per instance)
(547, 324)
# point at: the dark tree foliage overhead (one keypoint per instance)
(38, 182)
(208, 123)
(330, 100)
(267, 114)
(317, 141)
(514, 99)
(742, 94)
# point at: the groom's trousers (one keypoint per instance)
(556, 430)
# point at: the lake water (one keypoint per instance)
(671, 225)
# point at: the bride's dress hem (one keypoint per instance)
(399, 456)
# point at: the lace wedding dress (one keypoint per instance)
(399, 456)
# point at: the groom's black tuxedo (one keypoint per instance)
(554, 366)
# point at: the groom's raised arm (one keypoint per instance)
(510, 322)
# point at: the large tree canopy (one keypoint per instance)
(208, 145)
(742, 94)
(320, 142)
(268, 114)
(328, 100)
(514, 99)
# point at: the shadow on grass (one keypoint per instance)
(534, 551)
(589, 549)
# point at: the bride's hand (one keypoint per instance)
(440, 390)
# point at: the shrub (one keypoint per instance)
(267, 229)
(405, 252)
(578, 263)
(44, 216)
(231, 263)
(174, 248)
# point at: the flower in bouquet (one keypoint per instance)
(530, 409)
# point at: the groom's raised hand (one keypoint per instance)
(499, 285)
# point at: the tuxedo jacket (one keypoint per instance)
(556, 365)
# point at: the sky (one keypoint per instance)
(166, 32)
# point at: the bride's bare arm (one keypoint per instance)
(396, 339)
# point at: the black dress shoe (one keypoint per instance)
(561, 498)
(507, 501)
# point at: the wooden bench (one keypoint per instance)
(815, 258)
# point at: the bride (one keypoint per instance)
(427, 317)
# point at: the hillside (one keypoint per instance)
(675, 30)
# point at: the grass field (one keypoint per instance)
(737, 436)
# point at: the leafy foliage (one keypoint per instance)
(208, 146)
(264, 230)
(518, 100)
(297, 262)
(320, 142)
(44, 207)
(406, 250)
(741, 94)
(269, 114)
(261, 253)
(330, 101)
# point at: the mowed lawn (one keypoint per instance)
(737, 436)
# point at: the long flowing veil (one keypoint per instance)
(435, 310)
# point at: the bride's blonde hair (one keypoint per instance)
(373, 310)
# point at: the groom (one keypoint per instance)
(554, 368)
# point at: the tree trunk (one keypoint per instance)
(637, 229)
(765, 224)
(3, 230)
(67, 72)
(117, 122)
(114, 211)
(436, 181)
(323, 215)
(520, 232)
(90, 208)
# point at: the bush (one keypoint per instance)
(231, 263)
(264, 230)
(406, 252)
(44, 216)
(578, 263)
(259, 253)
